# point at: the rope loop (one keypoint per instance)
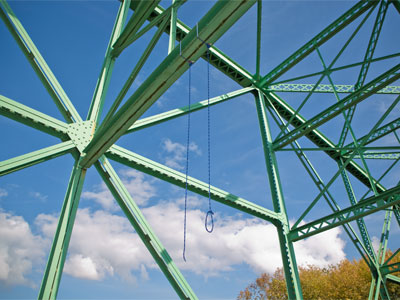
(211, 214)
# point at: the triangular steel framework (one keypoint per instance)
(91, 143)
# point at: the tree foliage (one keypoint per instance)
(345, 280)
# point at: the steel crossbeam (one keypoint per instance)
(35, 157)
(363, 208)
(165, 173)
(175, 113)
(33, 118)
(324, 88)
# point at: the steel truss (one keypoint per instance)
(93, 143)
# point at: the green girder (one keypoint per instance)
(324, 88)
(23, 161)
(58, 252)
(165, 173)
(33, 118)
(363, 208)
(175, 113)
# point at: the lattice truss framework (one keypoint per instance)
(92, 143)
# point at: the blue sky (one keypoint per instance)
(106, 258)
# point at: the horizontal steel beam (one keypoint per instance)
(210, 28)
(175, 113)
(372, 155)
(160, 171)
(375, 85)
(33, 118)
(23, 161)
(324, 88)
(363, 208)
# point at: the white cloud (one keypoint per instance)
(141, 190)
(38, 196)
(104, 244)
(3, 193)
(20, 249)
(177, 153)
(101, 244)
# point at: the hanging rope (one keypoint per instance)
(210, 213)
(187, 161)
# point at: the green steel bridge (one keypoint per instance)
(92, 142)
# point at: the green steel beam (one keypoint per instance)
(175, 113)
(33, 118)
(160, 171)
(317, 41)
(103, 82)
(39, 65)
(378, 83)
(210, 28)
(373, 41)
(58, 252)
(172, 32)
(363, 208)
(30, 159)
(258, 46)
(377, 155)
(140, 15)
(391, 268)
(324, 88)
(286, 246)
(379, 133)
(392, 256)
(393, 278)
(143, 229)
(217, 58)
(135, 71)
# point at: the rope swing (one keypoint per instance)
(209, 219)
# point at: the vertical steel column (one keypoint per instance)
(55, 263)
(172, 32)
(288, 257)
